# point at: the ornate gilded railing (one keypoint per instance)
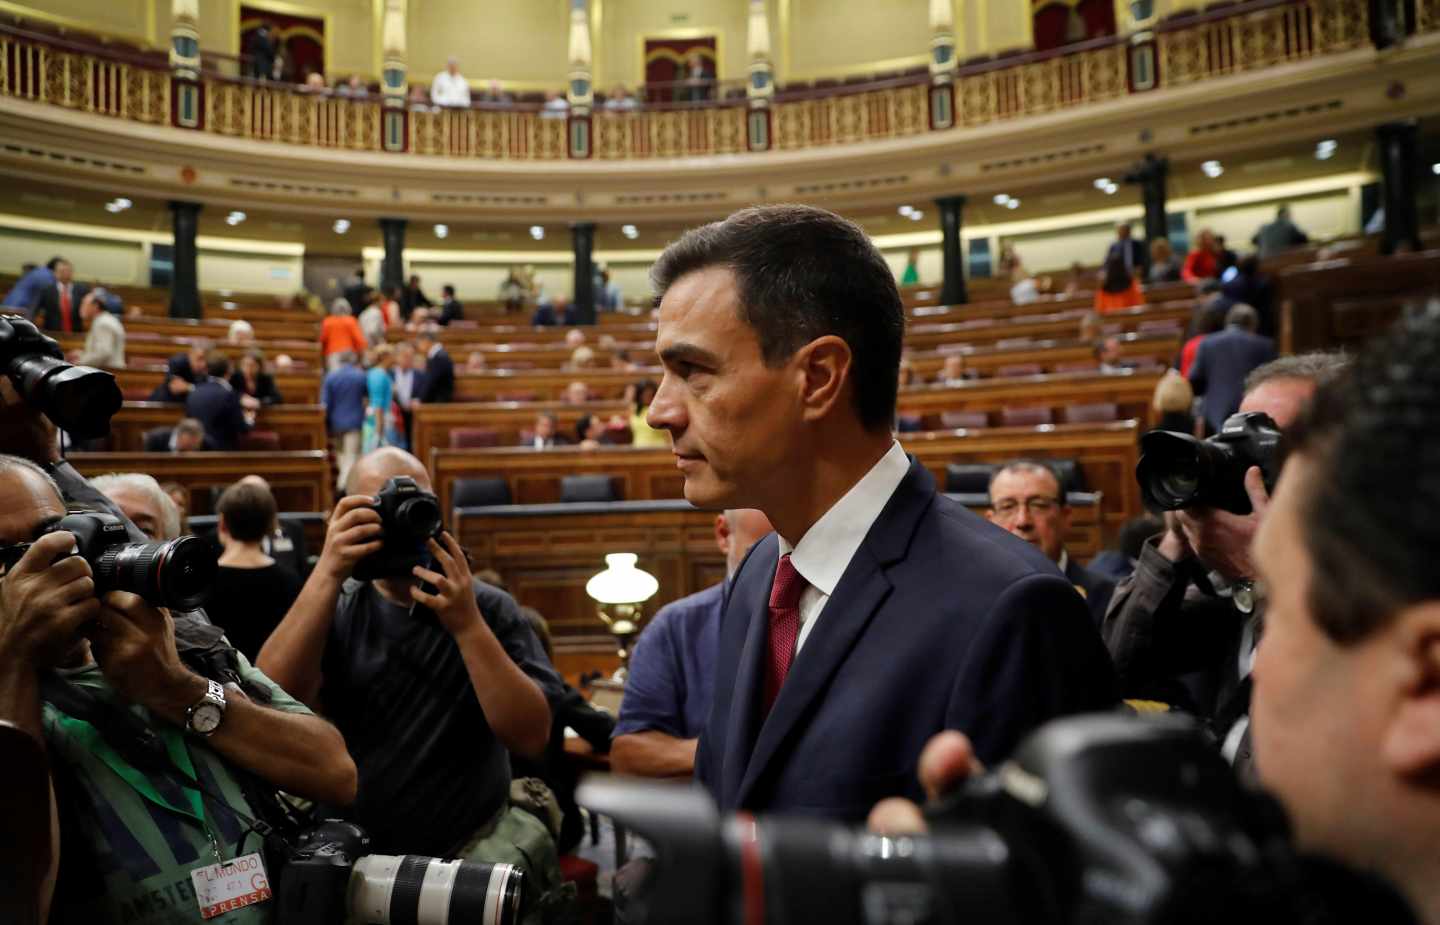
(1247, 37)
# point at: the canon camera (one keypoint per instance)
(177, 574)
(81, 400)
(1178, 471)
(409, 516)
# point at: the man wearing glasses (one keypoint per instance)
(1026, 499)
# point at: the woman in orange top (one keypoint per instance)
(1120, 288)
(340, 332)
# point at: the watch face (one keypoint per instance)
(206, 718)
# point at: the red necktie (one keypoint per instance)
(784, 627)
(65, 307)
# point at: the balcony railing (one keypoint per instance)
(1245, 37)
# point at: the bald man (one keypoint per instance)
(432, 688)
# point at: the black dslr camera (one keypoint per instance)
(1177, 471)
(80, 400)
(330, 878)
(177, 574)
(1107, 818)
(409, 516)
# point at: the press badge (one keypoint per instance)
(221, 888)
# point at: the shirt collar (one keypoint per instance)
(825, 551)
(1064, 561)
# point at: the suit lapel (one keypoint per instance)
(861, 591)
(752, 598)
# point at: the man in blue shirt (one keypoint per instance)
(343, 394)
(26, 291)
(671, 682)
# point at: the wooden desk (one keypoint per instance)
(149, 352)
(985, 360)
(301, 481)
(433, 423)
(1131, 392)
(301, 427)
(928, 336)
(296, 387)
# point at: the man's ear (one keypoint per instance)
(1411, 744)
(722, 533)
(826, 365)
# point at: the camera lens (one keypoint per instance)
(80, 400)
(177, 574)
(420, 517)
(387, 889)
(1175, 469)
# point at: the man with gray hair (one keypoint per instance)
(143, 501)
(1224, 359)
(1182, 628)
(449, 88)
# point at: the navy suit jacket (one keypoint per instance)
(1098, 587)
(217, 407)
(941, 621)
(1222, 362)
(1139, 255)
(438, 383)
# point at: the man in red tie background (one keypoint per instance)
(58, 308)
(881, 612)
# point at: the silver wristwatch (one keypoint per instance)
(204, 716)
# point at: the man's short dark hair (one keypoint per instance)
(54, 262)
(1032, 466)
(1317, 366)
(217, 364)
(249, 511)
(1370, 517)
(447, 289)
(804, 273)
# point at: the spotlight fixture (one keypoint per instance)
(1013, 204)
(1102, 183)
(537, 232)
(1111, 188)
(442, 231)
(916, 215)
(1002, 198)
(630, 231)
(1212, 169)
(1435, 168)
(907, 211)
(341, 225)
(118, 204)
(1326, 149)
(235, 218)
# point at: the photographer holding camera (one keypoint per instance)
(1182, 629)
(139, 826)
(429, 683)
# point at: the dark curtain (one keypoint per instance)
(665, 62)
(300, 40)
(1058, 23)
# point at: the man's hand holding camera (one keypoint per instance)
(44, 603)
(454, 598)
(1221, 539)
(134, 645)
(354, 533)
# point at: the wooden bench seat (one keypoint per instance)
(301, 427)
(301, 481)
(433, 423)
(147, 351)
(140, 380)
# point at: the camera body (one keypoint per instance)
(80, 400)
(177, 574)
(330, 878)
(1178, 471)
(409, 516)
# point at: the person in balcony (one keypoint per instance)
(449, 88)
(263, 52)
(353, 87)
(620, 100)
(556, 106)
(495, 95)
(696, 79)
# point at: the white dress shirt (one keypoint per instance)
(449, 90)
(404, 383)
(824, 552)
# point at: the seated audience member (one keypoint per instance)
(574, 338)
(339, 333)
(643, 433)
(314, 83)
(560, 774)
(450, 307)
(72, 662)
(252, 383)
(1207, 322)
(1182, 628)
(1076, 281)
(1027, 499)
(589, 431)
(58, 306)
(1164, 265)
(952, 370)
(1026, 288)
(1119, 288)
(582, 358)
(1091, 327)
(494, 94)
(252, 591)
(908, 374)
(556, 106)
(1108, 355)
(182, 371)
(544, 435)
(215, 405)
(432, 688)
(240, 334)
(412, 297)
(343, 393)
(1118, 561)
(545, 315)
(1279, 235)
(1174, 403)
(104, 334)
(142, 500)
(181, 496)
(1223, 360)
(26, 291)
(476, 362)
(671, 681)
(284, 363)
(419, 319)
(620, 100)
(1203, 262)
(438, 382)
(576, 393)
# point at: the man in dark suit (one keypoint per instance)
(182, 372)
(1136, 257)
(214, 403)
(1224, 359)
(1027, 498)
(58, 308)
(185, 437)
(438, 383)
(882, 612)
(450, 307)
(413, 297)
(545, 433)
(357, 293)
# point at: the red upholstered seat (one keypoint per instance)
(258, 440)
(951, 420)
(1026, 417)
(1020, 369)
(469, 437)
(1091, 414)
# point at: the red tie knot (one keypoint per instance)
(785, 593)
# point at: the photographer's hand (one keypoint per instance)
(1221, 540)
(454, 598)
(135, 648)
(947, 760)
(353, 534)
(45, 599)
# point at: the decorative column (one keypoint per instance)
(942, 64)
(392, 77)
(185, 283)
(580, 91)
(952, 290)
(582, 236)
(185, 63)
(392, 267)
(761, 84)
(1138, 19)
(1399, 165)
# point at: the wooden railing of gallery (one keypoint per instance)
(1244, 37)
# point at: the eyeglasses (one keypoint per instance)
(1038, 506)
